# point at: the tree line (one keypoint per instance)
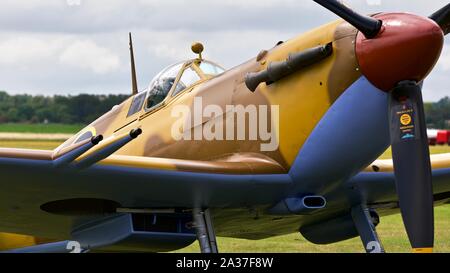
(438, 114)
(84, 108)
(80, 109)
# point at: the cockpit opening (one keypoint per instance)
(177, 78)
(161, 85)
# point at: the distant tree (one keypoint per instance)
(438, 114)
(12, 115)
(80, 109)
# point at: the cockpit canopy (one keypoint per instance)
(179, 77)
(172, 81)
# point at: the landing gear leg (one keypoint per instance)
(365, 222)
(205, 231)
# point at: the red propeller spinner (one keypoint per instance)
(406, 48)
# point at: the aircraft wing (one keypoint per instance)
(377, 183)
(374, 188)
(247, 164)
(134, 181)
(49, 193)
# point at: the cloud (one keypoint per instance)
(49, 47)
(23, 49)
(167, 51)
(88, 55)
(33, 50)
(13, 5)
(201, 15)
(445, 59)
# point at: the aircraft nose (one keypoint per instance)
(407, 48)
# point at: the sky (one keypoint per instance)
(65, 47)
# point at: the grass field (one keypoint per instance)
(27, 144)
(391, 229)
(40, 128)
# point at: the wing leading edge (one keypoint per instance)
(376, 183)
(240, 164)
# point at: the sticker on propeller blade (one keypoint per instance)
(405, 119)
(403, 122)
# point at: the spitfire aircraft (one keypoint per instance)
(286, 142)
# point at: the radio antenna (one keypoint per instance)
(133, 68)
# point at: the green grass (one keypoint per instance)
(40, 128)
(391, 229)
(27, 144)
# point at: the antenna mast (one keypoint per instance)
(133, 68)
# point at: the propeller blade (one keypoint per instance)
(412, 165)
(442, 18)
(369, 26)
